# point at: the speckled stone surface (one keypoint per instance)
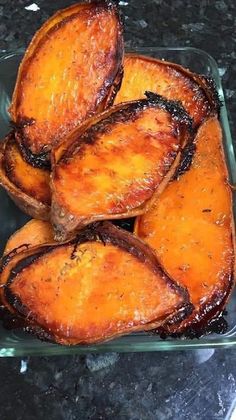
(194, 385)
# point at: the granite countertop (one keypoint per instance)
(198, 384)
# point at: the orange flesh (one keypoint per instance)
(35, 232)
(32, 181)
(67, 77)
(121, 170)
(50, 23)
(146, 74)
(102, 292)
(190, 226)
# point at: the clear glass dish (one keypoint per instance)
(16, 343)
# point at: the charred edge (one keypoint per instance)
(209, 318)
(40, 161)
(211, 85)
(74, 251)
(7, 258)
(127, 112)
(24, 122)
(217, 324)
(186, 159)
(175, 108)
(180, 315)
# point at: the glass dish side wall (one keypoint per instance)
(16, 343)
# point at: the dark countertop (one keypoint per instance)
(198, 384)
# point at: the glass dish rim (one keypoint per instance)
(140, 342)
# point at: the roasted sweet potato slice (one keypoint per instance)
(112, 168)
(27, 186)
(191, 228)
(197, 93)
(69, 72)
(100, 285)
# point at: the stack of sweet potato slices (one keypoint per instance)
(97, 136)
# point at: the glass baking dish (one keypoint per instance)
(17, 343)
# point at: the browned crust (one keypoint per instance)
(106, 233)
(64, 223)
(187, 154)
(206, 83)
(196, 324)
(26, 203)
(105, 96)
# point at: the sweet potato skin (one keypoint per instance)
(197, 93)
(103, 284)
(91, 168)
(27, 186)
(55, 91)
(192, 231)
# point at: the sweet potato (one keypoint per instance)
(27, 186)
(192, 231)
(100, 285)
(69, 72)
(197, 93)
(111, 168)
